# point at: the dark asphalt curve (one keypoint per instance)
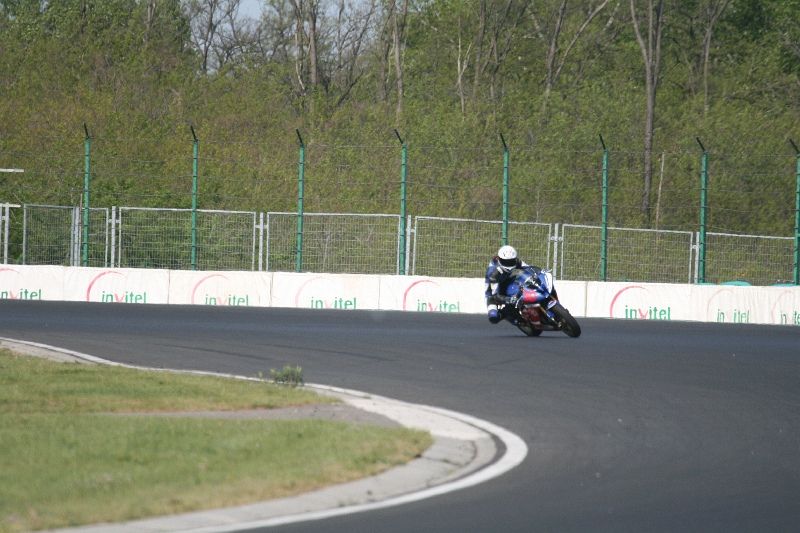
(634, 426)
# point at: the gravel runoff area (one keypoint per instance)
(466, 451)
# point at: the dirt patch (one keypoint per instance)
(332, 412)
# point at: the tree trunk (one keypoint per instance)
(462, 61)
(150, 15)
(479, 40)
(649, 119)
(312, 43)
(299, 44)
(651, 54)
(715, 11)
(399, 43)
(550, 59)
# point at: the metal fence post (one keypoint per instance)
(75, 238)
(4, 221)
(410, 234)
(796, 216)
(113, 230)
(401, 264)
(604, 216)
(195, 154)
(300, 191)
(6, 215)
(87, 151)
(555, 240)
(701, 244)
(261, 241)
(506, 177)
(24, 233)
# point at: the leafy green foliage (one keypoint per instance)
(470, 70)
(288, 375)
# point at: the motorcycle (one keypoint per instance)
(531, 303)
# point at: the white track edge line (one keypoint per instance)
(516, 451)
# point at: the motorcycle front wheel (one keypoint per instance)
(566, 321)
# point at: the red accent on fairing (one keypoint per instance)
(531, 296)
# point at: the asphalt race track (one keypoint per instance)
(634, 426)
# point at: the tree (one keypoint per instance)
(650, 46)
(786, 16)
(399, 17)
(216, 32)
(306, 40)
(354, 24)
(462, 63)
(556, 57)
(713, 10)
(205, 17)
(494, 39)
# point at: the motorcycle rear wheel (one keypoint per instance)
(567, 322)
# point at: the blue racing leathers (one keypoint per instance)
(497, 277)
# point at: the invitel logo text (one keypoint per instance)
(213, 290)
(109, 291)
(17, 293)
(632, 299)
(426, 295)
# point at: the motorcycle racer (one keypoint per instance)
(498, 276)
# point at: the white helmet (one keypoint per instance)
(507, 256)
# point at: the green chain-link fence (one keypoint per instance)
(236, 206)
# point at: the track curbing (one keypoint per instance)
(464, 454)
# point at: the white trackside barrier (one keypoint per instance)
(31, 282)
(116, 285)
(187, 287)
(703, 303)
(432, 295)
(325, 291)
(632, 301)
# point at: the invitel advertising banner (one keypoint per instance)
(747, 305)
(639, 301)
(116, 285)
(220, 288)
(325, 291)
(784, 305)
(27, 282)
(440, 295)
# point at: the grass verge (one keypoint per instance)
(66, 459)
